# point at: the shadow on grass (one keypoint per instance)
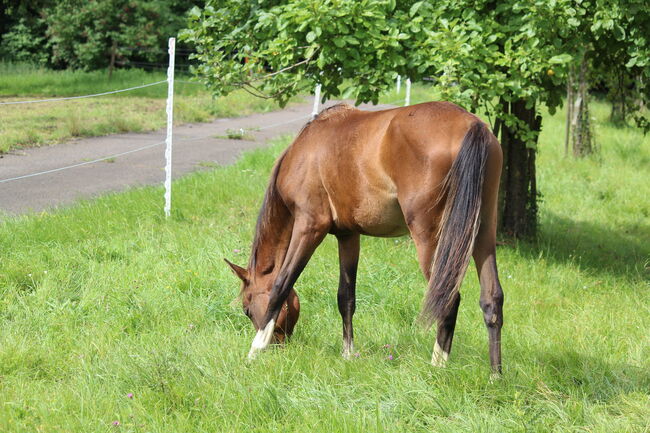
(595, 379)
(624, 252)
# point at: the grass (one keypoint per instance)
(106, 298)
(31, 125)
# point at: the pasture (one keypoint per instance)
(114, 319)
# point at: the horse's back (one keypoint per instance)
(364, 170)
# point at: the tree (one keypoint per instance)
(620, 33)
(90, 34)
(93, 34)
(506, 58)
(610, 47)
(22, 31)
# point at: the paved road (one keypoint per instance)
(194, 146)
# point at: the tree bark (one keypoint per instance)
(518, 192)
(570, 96)
(582, 136)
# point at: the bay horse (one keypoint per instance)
(431, 170)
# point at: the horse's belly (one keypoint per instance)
(380, 216)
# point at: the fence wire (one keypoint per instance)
(84, 96)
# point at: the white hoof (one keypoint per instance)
(261, 340)
(495, 377)
(348, 350)
(439, 358)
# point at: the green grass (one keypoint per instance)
(141, 110)
(107, 298)
(21, 80)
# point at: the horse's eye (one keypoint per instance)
(247, 312)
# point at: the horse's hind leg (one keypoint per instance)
(348, 261)
(491, 300)
(445, 335)
(424, 235)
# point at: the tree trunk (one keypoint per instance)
(570, 98)
(582, 136)
(518, 192)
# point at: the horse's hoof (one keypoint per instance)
(439, 357)
(495, 377)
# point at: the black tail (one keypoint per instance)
(462, 188)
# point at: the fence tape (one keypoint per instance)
(84, 96)
(54, 170)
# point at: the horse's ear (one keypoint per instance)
(239, 271)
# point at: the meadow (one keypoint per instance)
(115, 319)
(31, 125)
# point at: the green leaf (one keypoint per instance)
(619, 32)
(311, 36)
(560, 59)
(414, 9)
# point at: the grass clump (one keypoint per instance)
(239, 134)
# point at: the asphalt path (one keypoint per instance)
(68, 172)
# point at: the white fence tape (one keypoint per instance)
(104, 158)
(83, 96)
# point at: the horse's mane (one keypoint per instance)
(272, 201)
(328, 113)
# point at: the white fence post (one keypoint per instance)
(314, 111)
(170, 121)
(407, 101)
(399, 83)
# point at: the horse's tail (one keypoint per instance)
(459, 225)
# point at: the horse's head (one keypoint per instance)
(255, 292)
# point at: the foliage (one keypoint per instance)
(109, 312)
(84, 34)
(25, 43)
(478, 51)
(615, 37)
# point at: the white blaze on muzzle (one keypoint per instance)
(262, 339)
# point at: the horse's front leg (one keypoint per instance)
(305, 237)
(348, 261)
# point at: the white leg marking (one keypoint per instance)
(494, 377)
(439, 358)
(348, 350)
(262, 339)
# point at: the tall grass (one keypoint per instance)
(107, 299)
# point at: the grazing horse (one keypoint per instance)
(431, 170)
